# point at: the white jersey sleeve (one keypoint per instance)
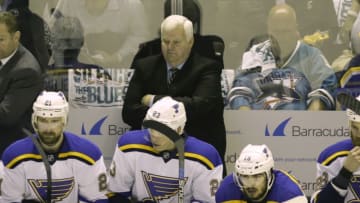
(329, 164)
(13, 185)
(121, 173)
(92, 180)
(207, 180)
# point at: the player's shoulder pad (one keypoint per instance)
(228, 181)
(228, 189)
(136, 140)
(20, 151)
(337, 150)
(287, 184)
(202, 152)
(76, 147)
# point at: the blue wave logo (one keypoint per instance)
(95, 129)
(279, 130)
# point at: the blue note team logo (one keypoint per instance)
(279, 130)
(95, 129)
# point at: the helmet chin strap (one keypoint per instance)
(52, 148)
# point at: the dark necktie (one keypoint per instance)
(173, 72)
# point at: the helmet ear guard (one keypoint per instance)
(50, 105)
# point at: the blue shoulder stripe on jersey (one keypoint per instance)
(207, 152)
(201, 159)
(135, 137)
(20, 151)
(331, 153)
(73, 147)
(136, 140)
(195, 149)
(229, 191)
(79, 148)
(285, 187)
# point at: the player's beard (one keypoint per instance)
(253, 194)
(51, 141)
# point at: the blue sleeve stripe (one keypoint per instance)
(24, 157)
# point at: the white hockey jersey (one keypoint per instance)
(138, 170)
(329, 163)
(77, 170)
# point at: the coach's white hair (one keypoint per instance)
(173, 21)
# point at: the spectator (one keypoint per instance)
(68, 37)
(351, 16)
(77, 165)
(347, 11)
(232, 22)
(285, 50)
(35, 32)
(20, 82)
(338, 166)
(318, 25)
(196, 84)
(256, 180)
(146, 164)
(260, 85)
(113, 29)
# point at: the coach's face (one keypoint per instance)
(355, 132)
(174, 45)
(8, 41)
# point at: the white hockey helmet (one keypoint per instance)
(50, 105)
(169, 112)
(255, 159)
(352, 116)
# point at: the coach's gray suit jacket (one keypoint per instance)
(21, 80)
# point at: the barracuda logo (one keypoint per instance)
(279, 130)
(95, 129)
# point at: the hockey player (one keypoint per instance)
(145, 165)
(338, 168)
(77, 166)
(256, 180)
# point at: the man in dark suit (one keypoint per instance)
(21, 81)
(196, 84)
